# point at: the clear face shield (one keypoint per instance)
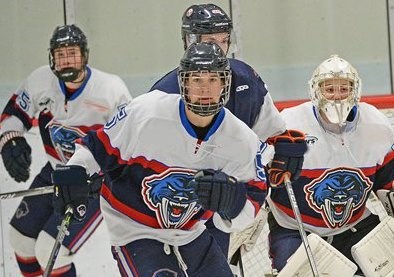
(336, 97)
(225, 40)
(204, 92)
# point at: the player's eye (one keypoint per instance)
(352, 187)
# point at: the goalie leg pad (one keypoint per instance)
(248, 237)
(329, 261)
(387, 199)
(375, 252)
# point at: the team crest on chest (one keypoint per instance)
(171, 197)
(337, 193)
(63, 139)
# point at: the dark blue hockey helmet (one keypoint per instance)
(204, 19)
(63, 36)
(204, 57)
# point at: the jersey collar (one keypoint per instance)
(186, 124)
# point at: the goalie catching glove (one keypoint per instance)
(73, 187)
(16, 154)
(290, 148)
(219, 192)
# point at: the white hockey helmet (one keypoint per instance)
(335, 89)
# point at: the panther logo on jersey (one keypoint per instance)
(171, 197)
(63, 139)
(337, 193)
(309, 139)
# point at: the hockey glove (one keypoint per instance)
(71, 190)
(16, 154)
(95, 182)
(219, 192)
(290, 148)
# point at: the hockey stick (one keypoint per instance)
(27, 192)
(36, 191)
(236, 260)
(301, 229)
(58, 242)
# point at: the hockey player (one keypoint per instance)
(175, 161)
(69, 98)
(350, 154)
(249, 98)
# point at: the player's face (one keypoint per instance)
(221, 39)
(204, 88)
(68, 57)
(336, 88)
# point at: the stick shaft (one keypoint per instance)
(301, 229)
(58, 242)
(27, 192)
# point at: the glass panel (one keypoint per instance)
(286, 40)
(140, 40)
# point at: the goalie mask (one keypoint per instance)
(204, 78)
(65, 36)
(207, 19)
(335, 89)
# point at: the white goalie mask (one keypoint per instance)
(335, 89)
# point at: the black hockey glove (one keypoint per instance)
(71, 190)
(290, 148)
(16, 154)
(95, 182)
(219, 192)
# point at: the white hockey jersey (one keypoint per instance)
(63, 119)
(150, 152)
(339, 171)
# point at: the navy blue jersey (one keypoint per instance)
(250, 100)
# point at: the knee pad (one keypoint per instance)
(23, 246)
(43, 250)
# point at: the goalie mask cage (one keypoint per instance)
(255, 260)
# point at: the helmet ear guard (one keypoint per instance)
(63, 36)
(330, 81)
(200, 58)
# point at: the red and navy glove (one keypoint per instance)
(290, 148)
(219, 192)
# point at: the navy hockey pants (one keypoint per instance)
(222, 238)
(35, 214)
(146, 258)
